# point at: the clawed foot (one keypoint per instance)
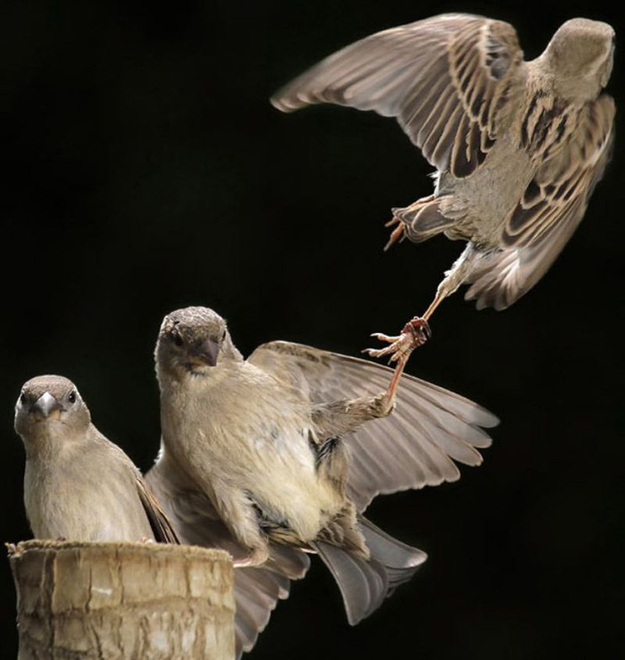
(414, 334)
(397, 234)
(257, 557)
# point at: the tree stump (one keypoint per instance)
(99, 601)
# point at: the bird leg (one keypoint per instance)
(438, 299)
(346, 415)
(238, 512)
(418, 222)
(454, 278)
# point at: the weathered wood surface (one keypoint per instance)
(105, 601)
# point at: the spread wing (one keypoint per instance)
(256, 590)
(549, 212)
(446, 79)
(415, 446)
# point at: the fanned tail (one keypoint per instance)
(366, 583)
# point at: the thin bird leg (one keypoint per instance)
(399, 370)
(346, 415)
(438, 299)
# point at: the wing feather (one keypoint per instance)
(161, 526)
(415, 446)
(446, 79)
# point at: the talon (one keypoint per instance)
(414, 334)
(382, 337)
(397, 234)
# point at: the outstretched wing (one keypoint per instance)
(415, 446)
(549, 212)
(446, 79)
(256, 590)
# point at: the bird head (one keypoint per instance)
(195, 341)
(50, 407)
(581, 53)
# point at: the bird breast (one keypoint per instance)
(255, 435)
(63, 501)
(482, 202)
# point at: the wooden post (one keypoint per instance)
(105, 601)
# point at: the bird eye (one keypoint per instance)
(223, 336)
(23, 398)
(176, 338)
(72, 396)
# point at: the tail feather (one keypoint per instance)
(390, 551)
(365, 584)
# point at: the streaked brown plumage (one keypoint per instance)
(518, 146)
(78, 485)
(282, 453)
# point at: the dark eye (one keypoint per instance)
(23, 398)
(224, 335)
(176, 338)
(72, 397)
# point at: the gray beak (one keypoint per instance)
(207, 352)
(47, 406)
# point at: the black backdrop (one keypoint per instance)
(146, 170)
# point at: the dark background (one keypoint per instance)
(146, 170)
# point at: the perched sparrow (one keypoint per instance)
(518, 146)
(78, 485)
(289, 447)
(256, 589)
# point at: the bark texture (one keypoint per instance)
(105, 601)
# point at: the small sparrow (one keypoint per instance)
(78, 486)
(292, 444)
(256, 589)
(518, 146)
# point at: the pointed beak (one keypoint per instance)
(47, 407)
(206, 352)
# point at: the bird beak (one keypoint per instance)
(47, 406)
(206, 352)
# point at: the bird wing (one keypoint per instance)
(159, 522)
(415, 446)
(256, 590)
(446, 79)
(549, 212)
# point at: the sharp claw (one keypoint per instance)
(414, 334)
(396, 235)
(382, 337)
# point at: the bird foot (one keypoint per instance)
(257, 557)
(397, 234)
(414, 334)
